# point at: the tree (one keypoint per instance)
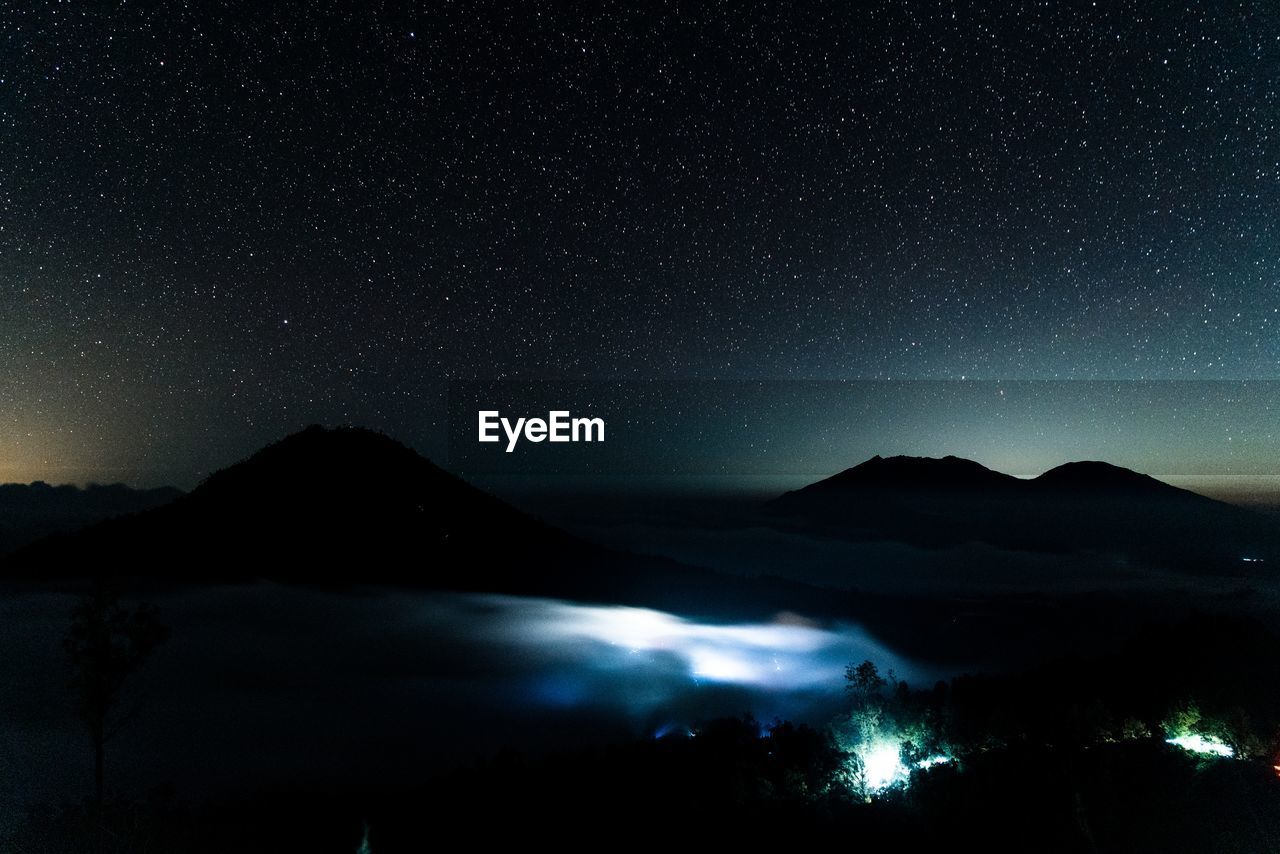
(107, 643)
(864, 680)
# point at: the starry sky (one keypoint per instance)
(222, 221)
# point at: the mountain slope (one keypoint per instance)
(31, 511)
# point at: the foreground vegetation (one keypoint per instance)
(1079, 755)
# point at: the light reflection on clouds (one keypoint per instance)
(785, 654)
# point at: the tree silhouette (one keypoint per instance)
(864, 680)
(107, 642)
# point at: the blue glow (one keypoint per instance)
(787, 654)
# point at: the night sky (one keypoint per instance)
(222, 221)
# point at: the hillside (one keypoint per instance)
(31, 511)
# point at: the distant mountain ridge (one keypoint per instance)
(1078, 506)
(34, 510)
(945, 472)
(957, 473)
(348, 506)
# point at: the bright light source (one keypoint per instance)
(723, 665)
(1205, 745)
(882, 766)
(931, 761)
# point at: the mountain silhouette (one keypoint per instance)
(31, 511)
(1079, 506)
(947, 473)
(311, 504)
(1098, 477)
(344, 506)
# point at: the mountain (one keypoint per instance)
(1080, 506)
(314, 506)
(31, 511)
(344, 506)
(947, 473)
(1092, 476)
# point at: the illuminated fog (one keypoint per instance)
(427, 675)
(645, 660)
